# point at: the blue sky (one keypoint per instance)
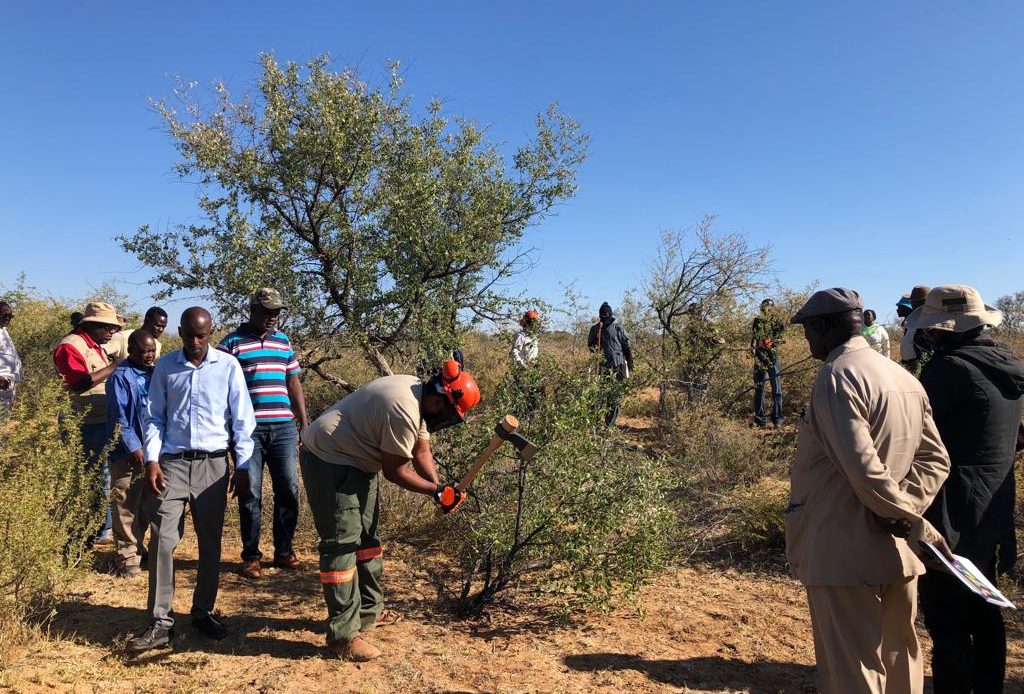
(871, 145)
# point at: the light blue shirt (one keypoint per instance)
(199, 408)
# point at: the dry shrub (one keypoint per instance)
(758, 524)
(49, 504)
(733, 491)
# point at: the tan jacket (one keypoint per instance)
(867, 446)
(93, 402)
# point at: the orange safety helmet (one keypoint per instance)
(460, 388)
(530, 316)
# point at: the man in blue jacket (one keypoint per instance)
(127, 401)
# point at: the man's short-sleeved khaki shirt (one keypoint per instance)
(381, 417)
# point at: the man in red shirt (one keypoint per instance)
(80, 359)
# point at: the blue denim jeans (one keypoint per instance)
(275, 446)
(94, 438)
(762, 374)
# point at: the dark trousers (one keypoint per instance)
(969, 641)
(94, 439)
(767, 372)
(274, 447)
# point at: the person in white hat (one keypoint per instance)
(976, 389)
(85, 366)
(869, 461)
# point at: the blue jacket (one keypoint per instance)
(127, 403)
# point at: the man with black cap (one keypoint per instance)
(976, 388)
(869, 462)
(272, 375)
(607, 337)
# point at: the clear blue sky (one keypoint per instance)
(872, 145)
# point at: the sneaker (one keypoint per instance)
(106, 538)
(210, 626)
(252, 569)
(356, 649)
(152, 637)
(288, 561)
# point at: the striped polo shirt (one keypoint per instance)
(266, 362)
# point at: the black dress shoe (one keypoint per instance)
(210, 626)
(152, 637)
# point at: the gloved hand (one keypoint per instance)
(448, 498)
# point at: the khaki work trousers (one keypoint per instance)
(127, 490)
(864, 638)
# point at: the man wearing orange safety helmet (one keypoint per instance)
(382, 427)
(526, 348)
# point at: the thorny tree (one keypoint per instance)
(697, 276)
(381, 229)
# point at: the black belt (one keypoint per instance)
(199, 455)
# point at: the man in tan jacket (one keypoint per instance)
(869, 462)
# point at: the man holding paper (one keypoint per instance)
(869, 461)
(975, 386)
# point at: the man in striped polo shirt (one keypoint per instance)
(272, 375)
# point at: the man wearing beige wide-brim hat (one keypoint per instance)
(955, 307)
(976, 389)
(869, 461)
(85, 366)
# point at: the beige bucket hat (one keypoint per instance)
(101, 312)
(956, 307)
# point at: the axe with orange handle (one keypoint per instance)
(506, 430)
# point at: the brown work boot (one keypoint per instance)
(252, 570)
(356, 649)
(288, 561)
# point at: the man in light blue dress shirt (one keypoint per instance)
(199, 408)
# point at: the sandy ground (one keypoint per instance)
(694, 630)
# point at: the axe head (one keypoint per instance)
(506, 429)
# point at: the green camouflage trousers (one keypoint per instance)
(345, 507)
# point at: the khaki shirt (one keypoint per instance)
(381, 417)
(867, 446)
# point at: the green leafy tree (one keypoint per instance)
(1012, 306)
(384, 230)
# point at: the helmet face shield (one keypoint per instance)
(446, 418)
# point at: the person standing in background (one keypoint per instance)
(765, 336)
(875, 334)
(609, 339)
(10, 362)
